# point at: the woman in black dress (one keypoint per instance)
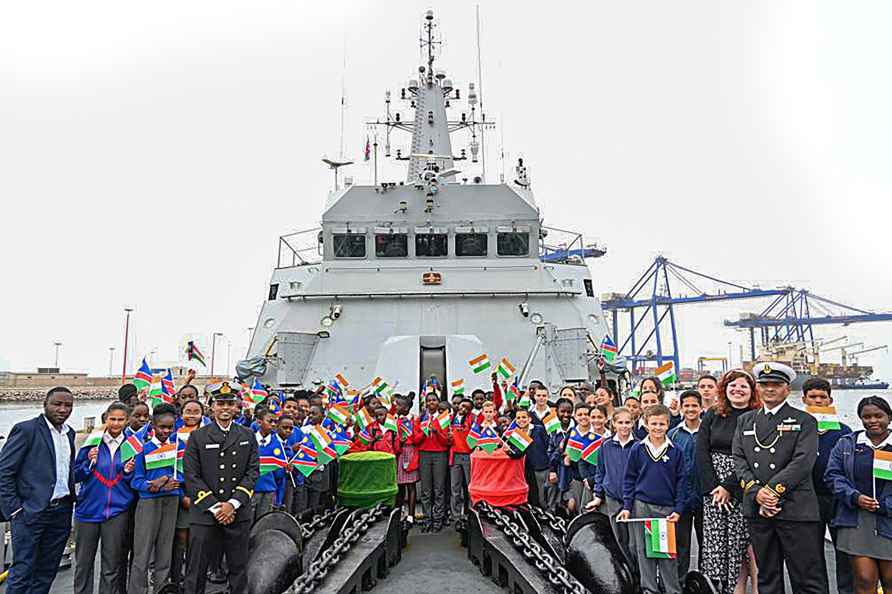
(726, 555)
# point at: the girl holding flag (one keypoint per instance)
(191, 417)
(103, 503)
(408, 459)
(154, 480)
(580, 456)
(433, 442)
(860, 475)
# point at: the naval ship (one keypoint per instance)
(413, 279)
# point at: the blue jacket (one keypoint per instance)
(141, 476)
(576, 471)
(104, 487)
(272, 482)
(826, 442)
(840, 477)
(28, 468)
(537, 452)
(297, 436)
(687, 443)
(611, 469)
(660, 482)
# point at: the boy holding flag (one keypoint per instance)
(654, 490)
(269, 490)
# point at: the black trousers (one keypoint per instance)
(206, 543)
(689, 522)
(798, 544)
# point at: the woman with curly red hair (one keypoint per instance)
(726, 554)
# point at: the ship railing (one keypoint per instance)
(300, 248)
(567, 247)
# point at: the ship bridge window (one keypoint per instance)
(432, 245)
(514, 243)
(348, 245)
(470, 244)
(391, 245)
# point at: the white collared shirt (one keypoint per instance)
(621, 442)
(654, 452)
(63, 459)
(864, 440)
(262, 441)
(775, 410)
(113, 443)
(225, 429)
(684, 426)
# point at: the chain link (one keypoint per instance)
(310, 528)
(559, 525)
(356, 525)
(532, 552)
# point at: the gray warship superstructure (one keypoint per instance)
(408, 280)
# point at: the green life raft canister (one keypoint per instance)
(366, 479)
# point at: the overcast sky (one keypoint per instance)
(152, 153)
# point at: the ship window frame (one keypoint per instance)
(457, 236)
(445, 237)
(392, 235)
(517, 232)
(334, 250)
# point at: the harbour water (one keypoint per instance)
(11, 413)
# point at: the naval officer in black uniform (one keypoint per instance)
(775, 448)
(220, 467)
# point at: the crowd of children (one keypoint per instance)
(586, 451)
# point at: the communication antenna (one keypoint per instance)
(343, 97)
(480, 95)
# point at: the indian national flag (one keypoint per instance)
(505, 368)
(94, 439)
(659, 539)
(444, 419)
(363, 418)
(480, 363)
(551, 422)
(163, 457)
(590, 453)
(608, 348)
(390, 423)
(342, 381)
(130, 448)
(339, 414)
(882, 465)
(666, 373)
(520, 439)
(826, 416)
(458, 387)
(324, 447)
(378, 385)
(386, 400)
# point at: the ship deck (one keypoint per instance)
(429, 558)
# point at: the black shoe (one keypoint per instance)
(217, 576)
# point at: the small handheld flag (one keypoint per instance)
(473, 436)
(479, 364)
(305, 458)
(163, 457)
(608, 348)
(590, 453)
(368, 150)
(505, 368)
(94, 439)
(659, 539)
(258, 392)
(194, 354)
(575, 445)
(363, 418)
(882, 465)
(342, 381)
(666, 373)
(405, 427)
(551, 422)
(458, 387)
(444, 419)
(390, 424)
(131, 447)
(143, 377)
(827, 417)
(339, 414)
(520, 440)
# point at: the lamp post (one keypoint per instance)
(214, 349)
(57, 344)
(111, 360)
(127, 310)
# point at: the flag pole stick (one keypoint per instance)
(640, 520)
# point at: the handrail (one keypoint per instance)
(302, 247)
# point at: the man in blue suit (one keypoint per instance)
(37, 493)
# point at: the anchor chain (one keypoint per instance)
(557, 524)
(534, 554)
(320, 567)
(310, 528)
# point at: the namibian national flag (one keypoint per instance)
(405, 427)
(305, 460)
(608, 348)
(167, 383)
(513, 393)
(575, 445)
(258, 392)
(131, 447)
(271, 464)
(489, 440)
(143, 377)
(194, 354)
(590, 453)
(364, 436)
(340, 441)
(473, 436)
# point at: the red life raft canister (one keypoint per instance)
(497, 479)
